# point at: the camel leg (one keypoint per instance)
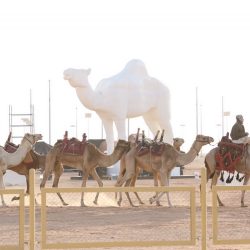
(85, 176)
(243, 191)
(127, 180)
(58, 171)
(127, 184)
(164, 180)
(2, 187)
(214, 182)
(152, 125)
(132, 184)
(119, 183)
(3, 202)
(120, 178)
(163, 123)
(121, 129)
(99, 181)
(108, 127)
(50, 162)
(16, 198)
(154, 198)
(167, 184)
(130, 172)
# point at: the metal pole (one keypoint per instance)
(31, 115)
(197, 109)
(49, 116)
(201, 126)
(32, 211)
(222, 116)
(76, 123)
(128, 128)
(102, 129)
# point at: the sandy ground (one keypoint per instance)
(109, 222)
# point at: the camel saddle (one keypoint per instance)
(155, 148)
(73, 145)
(10, 147)
(228, 154)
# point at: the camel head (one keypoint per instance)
(122, 145)
(177, 142)
(204, 140)
(32, 138)
(77, 77)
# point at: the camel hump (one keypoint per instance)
(134, 72)
(136, 67)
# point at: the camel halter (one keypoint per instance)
(31, 143)
(193, 146)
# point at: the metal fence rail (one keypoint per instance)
(20, 243)
(218, 216)
(190, 241)
(218, 238)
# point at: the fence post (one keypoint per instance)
(32, 208)
(203, 192)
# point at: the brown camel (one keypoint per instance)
(91, 158)
(32, 160)
(10, 160)
(177, 143)
(161, 165)
(243, 167)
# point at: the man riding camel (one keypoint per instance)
(238, 133)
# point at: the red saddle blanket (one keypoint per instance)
(228, 155)
(73, 146)
(154, 149)
(10, 147)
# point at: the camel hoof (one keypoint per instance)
(119, 203)
(132, 205)
(95, 202)
(221, 205)
(15, 198)
(65, 204)
(243, 205)
(158, 204)
(151, 200)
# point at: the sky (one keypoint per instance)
(199, 49)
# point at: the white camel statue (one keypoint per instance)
(131, 93)
(8, 160)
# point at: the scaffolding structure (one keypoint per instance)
(20, 123)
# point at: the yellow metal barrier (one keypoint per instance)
(203, 193)
(190, 242)
(215, 190)
(20, 245)
(45, 245)
(32, 210)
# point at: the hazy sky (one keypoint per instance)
(184, 44)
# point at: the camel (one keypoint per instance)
(161, 165)
(32, 160)
(177, 143)
(128, 94)
(243, 167)
(10, 160)
(88, 162)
